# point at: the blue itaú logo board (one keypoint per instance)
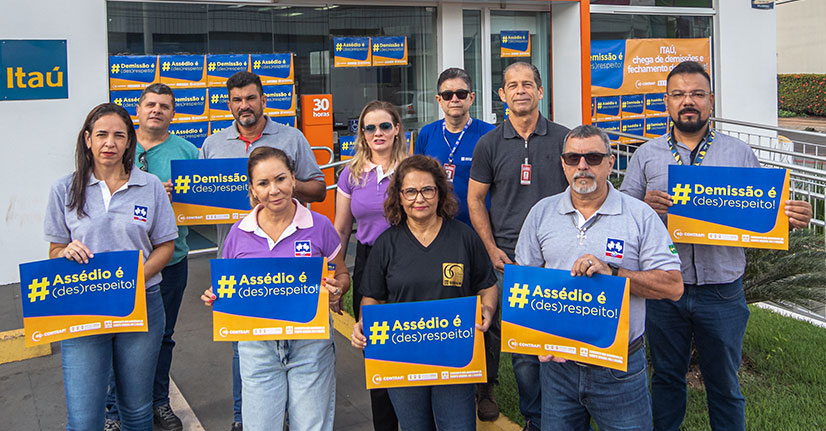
(33, 69)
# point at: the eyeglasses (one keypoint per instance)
(428, 192)
(448, 95)
(144, 165)
(385, 127)
(696, 95)
(593, 159)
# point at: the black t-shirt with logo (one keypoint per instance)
(401, 269)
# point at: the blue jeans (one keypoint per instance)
(716, 316)
(428, 408)
(572, 394)
(298, 374)
(525, 370)
(88, 362)
(236, 384)
(172, 292)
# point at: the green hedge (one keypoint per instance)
(802, 93)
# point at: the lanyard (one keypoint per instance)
(458, 140)
(701, 154)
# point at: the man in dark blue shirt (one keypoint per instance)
(452, 140)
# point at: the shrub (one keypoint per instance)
(802, 93)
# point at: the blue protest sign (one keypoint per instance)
(210, 191)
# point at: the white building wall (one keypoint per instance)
(745, 62)
(39, 136)
(801, 37)
(567, 64)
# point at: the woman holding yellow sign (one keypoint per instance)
(296, 374)
(106, 205)
(406, 265)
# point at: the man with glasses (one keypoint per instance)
(578, 230)
(519, 164)
(712, 311)
(156, 149)
(451, 141)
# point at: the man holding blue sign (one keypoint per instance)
(592, 228)
(713, 308)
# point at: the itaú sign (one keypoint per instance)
(33, 69)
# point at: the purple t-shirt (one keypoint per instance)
(246, 239)
(367, 202)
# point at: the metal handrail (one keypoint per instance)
(766, 127)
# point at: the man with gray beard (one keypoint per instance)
(591, 228)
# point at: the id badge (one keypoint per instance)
(450, 169)
(525, 175)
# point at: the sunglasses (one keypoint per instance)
(593, 159)
(448, 95)
(385, 127)
(144, 165)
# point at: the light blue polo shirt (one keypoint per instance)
(139, 217)
(227, 144)
(648, 170)
(549, 239)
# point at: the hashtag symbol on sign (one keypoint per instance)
(681, 194)
(226, 287)
(214, 98)
(378, 333)
(211, 67)
(38, 290)
(256, 64)
(519, 295)
(115, 68)
(165, 66)
(182, 184)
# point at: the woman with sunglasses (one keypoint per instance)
(92, 211)
(362, 187)
(406, 265)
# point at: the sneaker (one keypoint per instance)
(486, 407)
(111, 425)
(166, 420)
(237, 426)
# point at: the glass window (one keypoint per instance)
(472, 33)
(538, 23)
(621, 26)
(172, 28)
(671, 3)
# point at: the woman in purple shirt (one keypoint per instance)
(362, 187)
(296, 374)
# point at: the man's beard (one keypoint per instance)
(584, 190)
(689, 126)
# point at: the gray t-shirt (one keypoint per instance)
(648, 170)
(139, 217)
(549, 239)
(227, 144)
(497, 161)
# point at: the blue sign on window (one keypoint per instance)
(33, 69)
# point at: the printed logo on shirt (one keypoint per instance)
(140, 213)
(453, 274)
(672, 248)
(614, 248)
(303, 249)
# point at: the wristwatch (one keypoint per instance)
(614, 269)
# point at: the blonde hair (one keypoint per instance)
(363, 152)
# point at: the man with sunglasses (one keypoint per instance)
(155, 150)
(452, 140)
(518, 163)
(712, 311)
(591, 228)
